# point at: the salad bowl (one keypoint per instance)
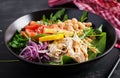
(96, 20)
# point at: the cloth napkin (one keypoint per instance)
(108, 9)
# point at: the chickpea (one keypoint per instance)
(80, 32)
(61, 25)
(88, 24)
(69, 24)
(68, 21)
(81, 25)
(74, 20)
(75, 26)
(88, 39)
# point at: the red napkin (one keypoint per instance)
(109, 9)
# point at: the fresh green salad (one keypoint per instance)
(59, 40)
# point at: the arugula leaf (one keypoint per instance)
(91, 55)
(54, 17)
(65, 17)
(67, 60)
(57, 15)
(51, 15)
(92, 32)
(45, 20)
(84, 16)
(87, 32)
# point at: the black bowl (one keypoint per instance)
(95, 19)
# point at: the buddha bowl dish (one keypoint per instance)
(60, 39)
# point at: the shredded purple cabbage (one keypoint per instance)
(35, 52)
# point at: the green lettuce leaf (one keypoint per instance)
(91, 55)
(67, 60)
(99, 43)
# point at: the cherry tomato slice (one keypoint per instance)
(31, 33)
(32, 27)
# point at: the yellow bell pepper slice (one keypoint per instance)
(52, 37)
(49, 30)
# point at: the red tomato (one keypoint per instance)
(40, 29)
(30, 32)
(32, 27)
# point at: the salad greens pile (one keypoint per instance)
(99, 43)
(18, 42)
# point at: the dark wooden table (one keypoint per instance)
(10, 10)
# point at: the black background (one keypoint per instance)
(10, 10)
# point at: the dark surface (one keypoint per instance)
(10, 10)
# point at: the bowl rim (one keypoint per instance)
(35, 63)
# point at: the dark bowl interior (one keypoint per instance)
(95, 19)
